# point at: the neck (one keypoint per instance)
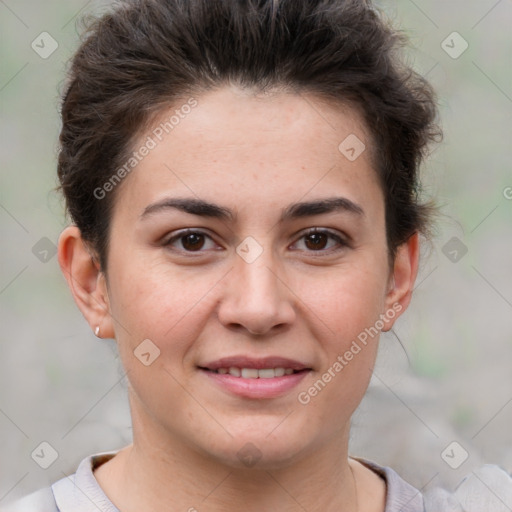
(159, 473)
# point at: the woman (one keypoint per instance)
(242, 181)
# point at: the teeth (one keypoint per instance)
(253, 373)
(249, 373)
(265, 373)
(234, 371)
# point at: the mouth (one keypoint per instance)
(254, 373)
(255, 378)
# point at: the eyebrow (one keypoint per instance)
(294, 211)
(192, 206)
(328, 205)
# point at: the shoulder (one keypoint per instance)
(487, 488)
(400, 495)
(79, 492)
(39, 501)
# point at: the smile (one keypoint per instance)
(253, 373)
(255, 383)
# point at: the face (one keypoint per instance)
(254, 275)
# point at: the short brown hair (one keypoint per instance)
(145, 54)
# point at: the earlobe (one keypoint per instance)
(85, 280)
(405, 270)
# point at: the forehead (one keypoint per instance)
(246, 146)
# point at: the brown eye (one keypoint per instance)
(190, 241)
(322, 241)
(316, 241)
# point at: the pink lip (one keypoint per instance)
(256, 388)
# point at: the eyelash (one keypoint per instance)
(341, 242)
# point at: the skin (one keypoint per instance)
(254, 154)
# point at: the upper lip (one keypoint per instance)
(258, 363)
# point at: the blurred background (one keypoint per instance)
(434, 411)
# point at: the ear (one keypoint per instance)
(85, 280)
(401, 281)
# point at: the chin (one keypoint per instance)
(259, 451)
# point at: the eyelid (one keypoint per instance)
(342, 240)
(166, 241)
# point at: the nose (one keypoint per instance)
(255, 298)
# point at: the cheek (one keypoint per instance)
(347, 306)
(157, 302)
(349, 340)
(346, 300)
(169, 309)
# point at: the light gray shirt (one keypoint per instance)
(81, 492)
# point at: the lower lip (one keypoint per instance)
(256, 388)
